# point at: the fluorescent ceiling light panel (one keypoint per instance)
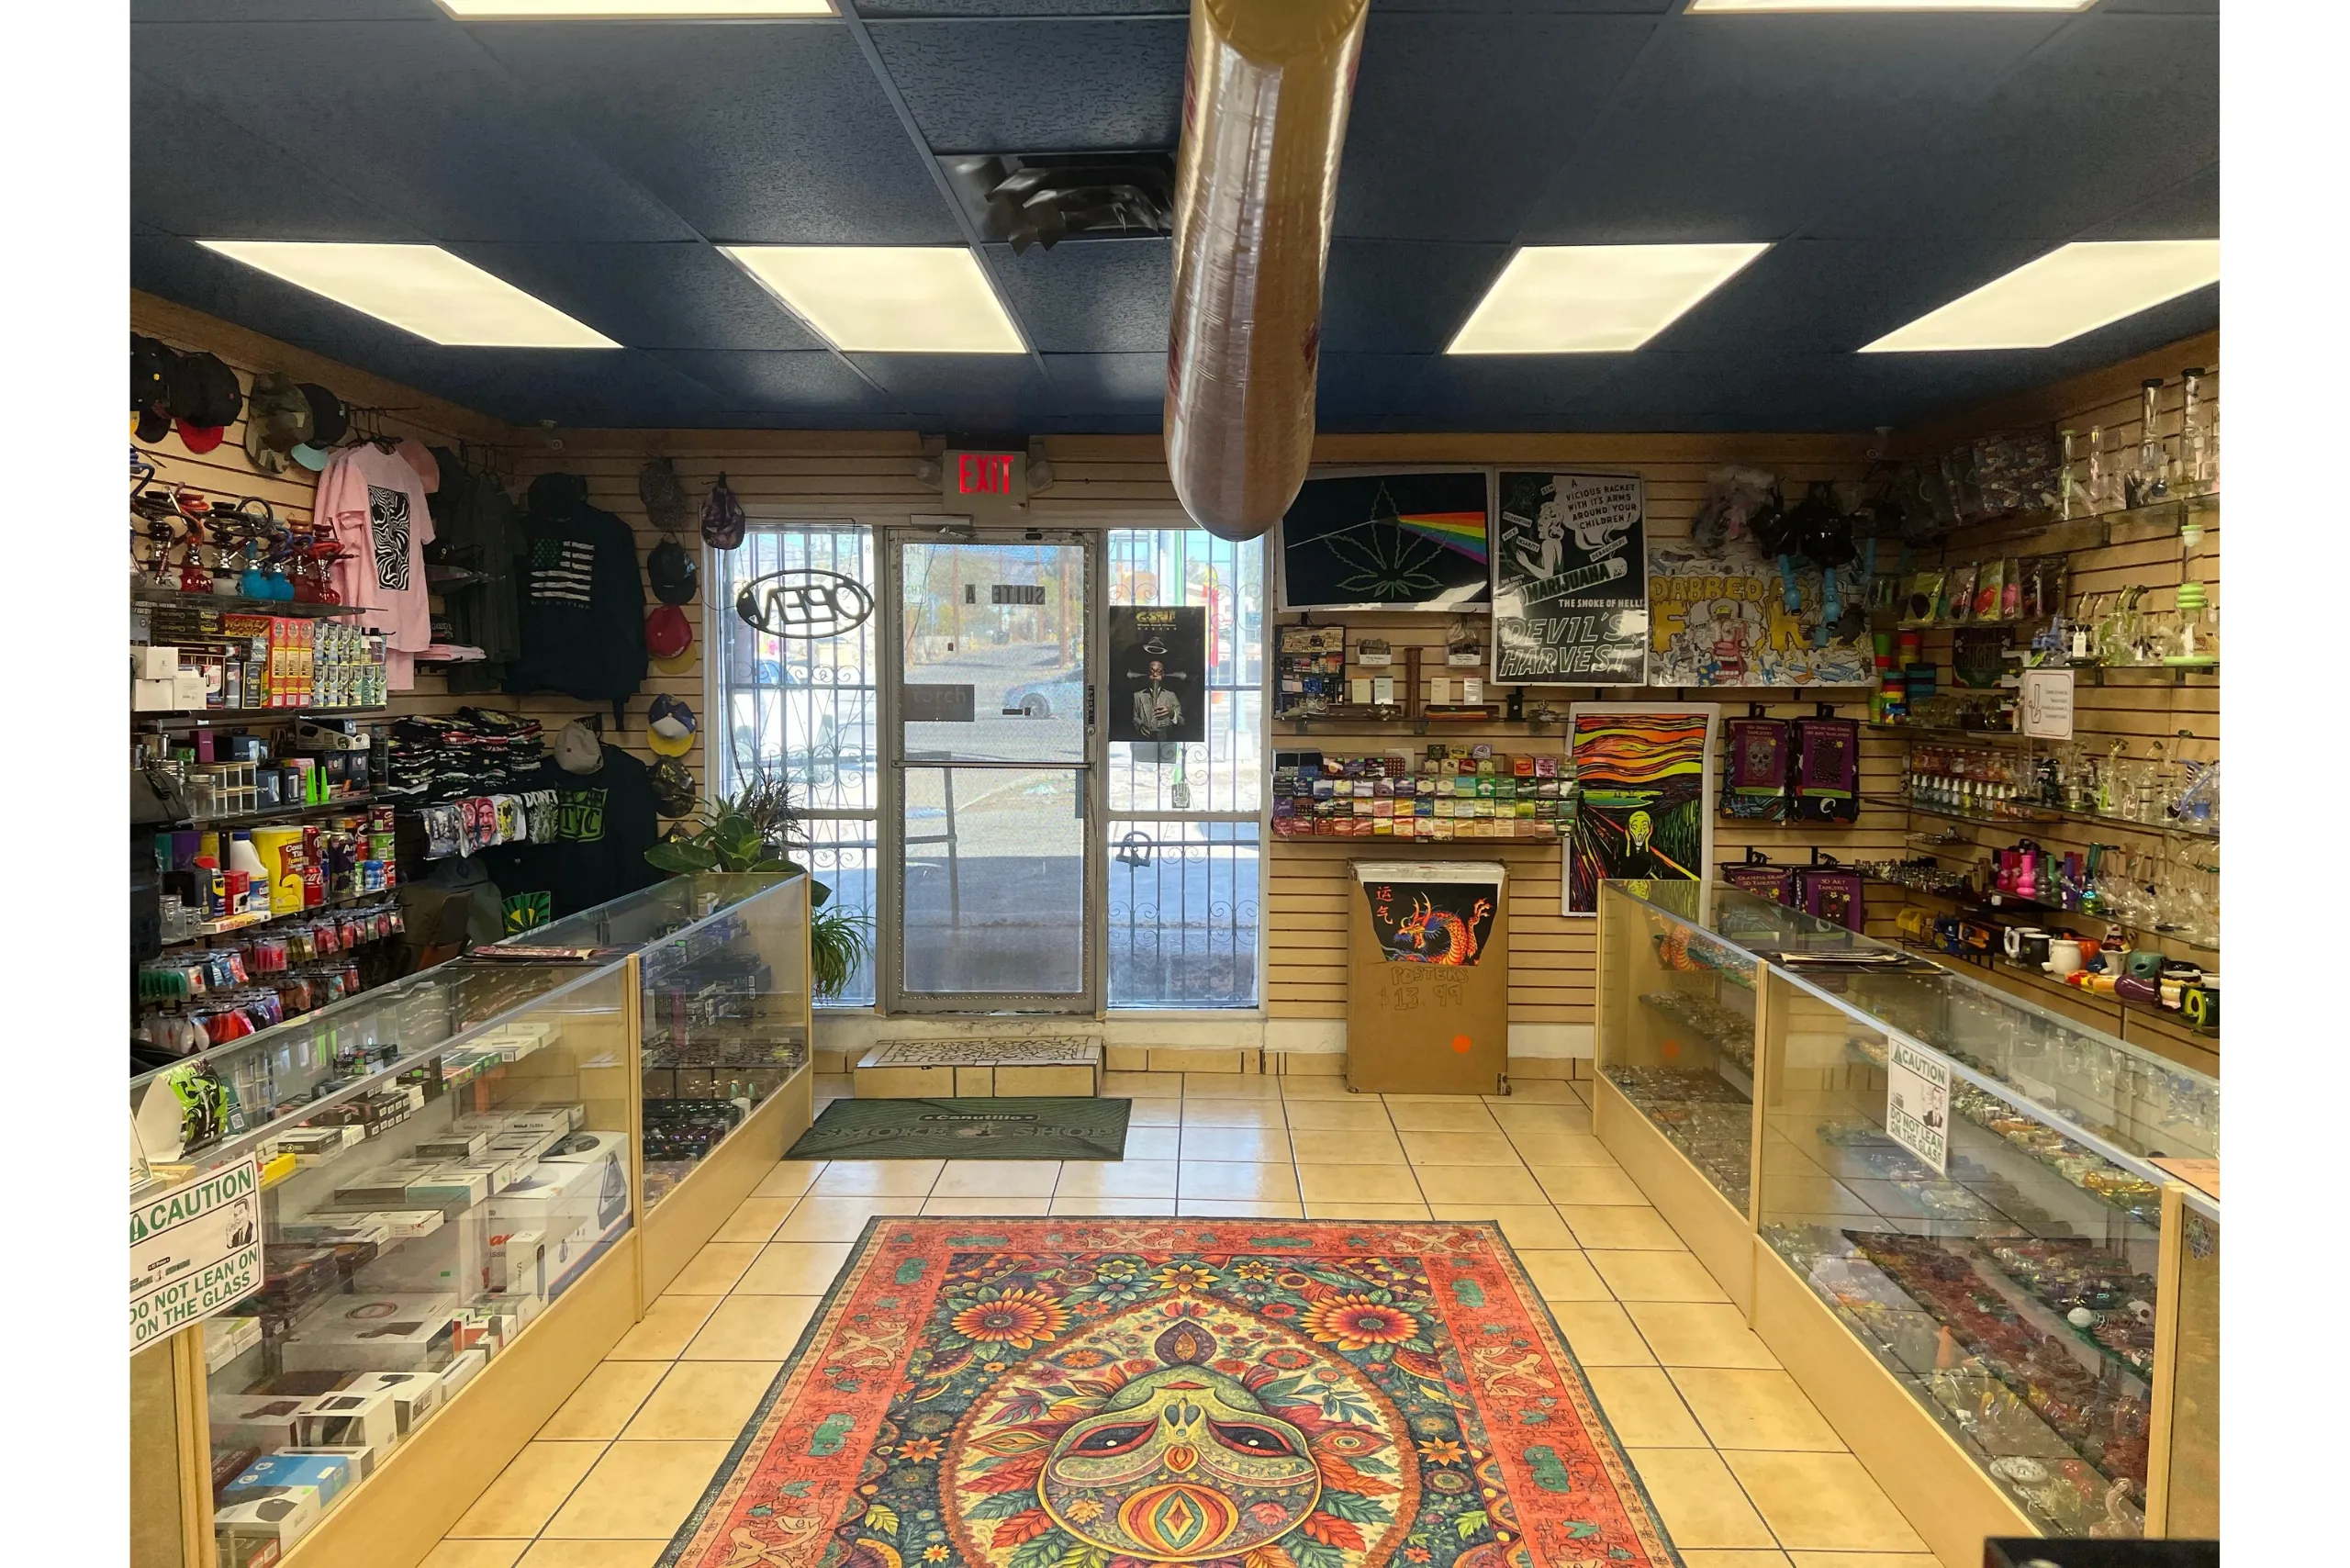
(632, 10)
(1595, 299)
(2071, 290)
(886, 298)
(1698, 6)
(419, 289)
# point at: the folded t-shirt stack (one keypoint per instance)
(439, 757)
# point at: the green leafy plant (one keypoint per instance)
(838, 943)
(724, 838)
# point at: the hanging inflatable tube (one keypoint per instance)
(1265, 93)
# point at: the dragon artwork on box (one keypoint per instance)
(1439, 937)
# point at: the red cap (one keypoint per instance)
(668, 632)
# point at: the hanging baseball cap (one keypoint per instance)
(206, 400)
(669, 726)
(664, 499)
(151, 387)
(722, 517)
(674, 576)
(277, 420)
(673, 787)
(578, 749)
(668, 632)
(329, 423)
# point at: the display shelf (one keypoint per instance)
(2082, 996)
(2040, 814)
(190, 720)
(276, 813)
(233, 604)
(250, 921)
(2051, 534)
(1977, 903)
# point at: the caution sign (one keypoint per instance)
(195, 1251)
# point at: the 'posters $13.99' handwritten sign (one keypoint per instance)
(194, 1251)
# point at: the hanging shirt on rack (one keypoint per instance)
(375, 502)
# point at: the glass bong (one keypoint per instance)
(2149, 481)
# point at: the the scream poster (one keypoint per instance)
(1571, 579)
(1644, 778)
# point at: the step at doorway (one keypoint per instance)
(1060, 1066)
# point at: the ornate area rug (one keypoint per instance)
(1122, 1392)
(1004, 1128)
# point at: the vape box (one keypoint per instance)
(154, 663)
(264, 1421)
(398, 1225)
(386, 1187)
(454, 1145)
(279, 1474)
(226, 1338)
(351, 1417)
(363, 1461)
(414, 1395)
(572, 1204)
(391, 1332)
(518, 1263)
(250, 1535)
(451, 1187)
(310, 1145)
(578, 1148)
(460, 1371)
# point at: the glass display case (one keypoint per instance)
(1974, 1187)
(722, 961)
(435, 1163)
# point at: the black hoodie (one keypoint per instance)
(582, 597)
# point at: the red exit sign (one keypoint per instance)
(984, 480)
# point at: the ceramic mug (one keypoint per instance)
(2064, 956)
(2201, 1003)
(2034, 949)
(2017, 935)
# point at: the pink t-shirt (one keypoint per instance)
(375, 502)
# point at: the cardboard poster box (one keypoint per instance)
(1427, 992)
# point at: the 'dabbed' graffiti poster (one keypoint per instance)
(1722, 619)
(1644, 784)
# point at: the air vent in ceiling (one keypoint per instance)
(1042, 198)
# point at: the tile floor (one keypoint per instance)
(1744, 1471)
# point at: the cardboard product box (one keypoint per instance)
(397, 1225)
(461, 1369)
(264, 1421)
(573, 1205)
(518, 1263)
(279, 1474)
(226, 1338)
(395, 1331)
(454, 1145)
(579, 1148)
(311, 1145)
(386, 1187)
(414, 1395)
(451, 1187)
(363, 1461)
(253, 1535)
(154, 663)
(351, 1417)
(153, 696)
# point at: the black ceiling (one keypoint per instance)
(1897, 161)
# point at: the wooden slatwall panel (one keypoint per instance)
(2139, 707)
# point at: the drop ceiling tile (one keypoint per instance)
(1403, 296)
(194, 172)
(1089, 295)
(1059, 86)
(813, 383)
(670, 294)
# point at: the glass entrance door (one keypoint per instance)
(994, 772)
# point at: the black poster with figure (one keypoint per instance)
(1571, 580)
(1159, 659)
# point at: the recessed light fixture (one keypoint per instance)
(886, 298)
(632, 10)
(419, 289)
(1697, 6)
(2071, 290)
(1595, 299)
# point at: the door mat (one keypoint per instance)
(1058, 1128)
(1038, 1393)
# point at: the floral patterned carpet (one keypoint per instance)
(1119, 1393)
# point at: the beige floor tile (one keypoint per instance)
(1233, 1114)
(1822, 1502)
(840, 1085)
(1313, 1086)
(1478, 1184)
(1233, 1180)
(528, 1490)
(791, 1178)
(602, 1403)
(1864, 1560)
(1584, 1089)
(1568, 1150)
(1004, 1207)
(1263, 1146)
(1562, 1276)
(1644, 1407)
(1465, 1115)
(1725, 1558)
(878, 1178)
(1154, 1114)
(593, 1555)
(1142, 1085)
(1356, 1113)
(1461, 1148)
(1700, 1334)
(1146, 1143)
(794, 1268)
(1620, 1229)
(997, 1179)
(714, 1269)
(1337, 1147)
(638, 1491)
(1231, 1086)
(704, 1400)
(1229, 1208)
(1534, 1122)
(754, 1220)
(753, 1328)
(1357, 1183)
(473, 1554)
(1699, 1499)
(1338, 1208)
(840, 1219)
(1117, 1179)
(1656, 1276)
(1523, 1224)
(1592, 1184)
(1600, 1335)
(1078, 1205)
(1748, 1408)
(1539, 1090)
(668, 1325)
